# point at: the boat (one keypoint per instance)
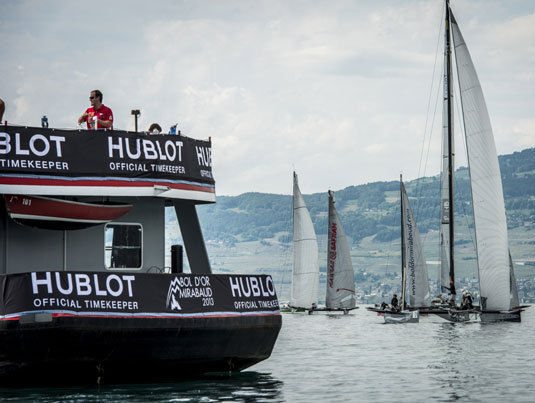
(305, 270)
(405, 316)
(59, 214)
(340, 281)
(99, 304)
(496, 273)
(413, 268)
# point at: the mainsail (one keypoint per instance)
(340, 274)
(305, 275)
(413, 260)
(485, 178)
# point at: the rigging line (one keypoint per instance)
(419, 189)
(429, 105)
(284, 261)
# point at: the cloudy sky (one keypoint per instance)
(341, 91)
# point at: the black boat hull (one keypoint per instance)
(75, 349)
(125, 327)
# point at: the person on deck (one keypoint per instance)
(155, 128)
(97, 114)
(452, 302)
(467, 301)
(394, 303)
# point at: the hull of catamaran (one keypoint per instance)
(503, 316)
(402, 317)
(457, 315)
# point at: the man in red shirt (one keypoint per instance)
(97, 113)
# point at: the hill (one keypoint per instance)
(252, 232)
(368, 210)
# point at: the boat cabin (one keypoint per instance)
(95, 200)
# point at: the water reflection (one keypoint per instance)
(453, 370)
(239, 387)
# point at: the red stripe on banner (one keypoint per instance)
(108, 183)
(70, 315)
(56, 315)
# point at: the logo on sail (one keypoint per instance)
(332, 254)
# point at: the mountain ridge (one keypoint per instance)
(370, 209)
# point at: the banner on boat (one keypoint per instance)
(136, 295)
(103, 154)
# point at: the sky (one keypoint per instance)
(342, 92)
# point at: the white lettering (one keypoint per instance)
(18, 150)
(150, 150)
(46, 144)
(4, 142)
(98, 291)
(47, 281)
(235, 286)
(129, 280)
(118, 146)
(138, 149)
(60, 288)
(58, 140)
(119, 282)
(83, 286)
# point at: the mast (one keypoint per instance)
(449, 106)
(403, 257)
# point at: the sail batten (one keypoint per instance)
(305, 274)
(487, 195)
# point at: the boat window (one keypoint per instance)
(123, 246)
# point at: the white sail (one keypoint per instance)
(340, 275)
(305, 276)
(418, 284)
(514, 288)
(485, 178)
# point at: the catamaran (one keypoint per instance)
(413, 268)
(498, 293)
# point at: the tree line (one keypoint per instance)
(370, 209)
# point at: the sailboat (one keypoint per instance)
(340, 282)
(340, 294)
(495, 268)
(413, 268)
(305, 273)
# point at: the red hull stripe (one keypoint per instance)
(104, 183)
(44, 207)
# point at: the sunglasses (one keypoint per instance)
(91, 97)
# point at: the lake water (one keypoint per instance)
(356, 358)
